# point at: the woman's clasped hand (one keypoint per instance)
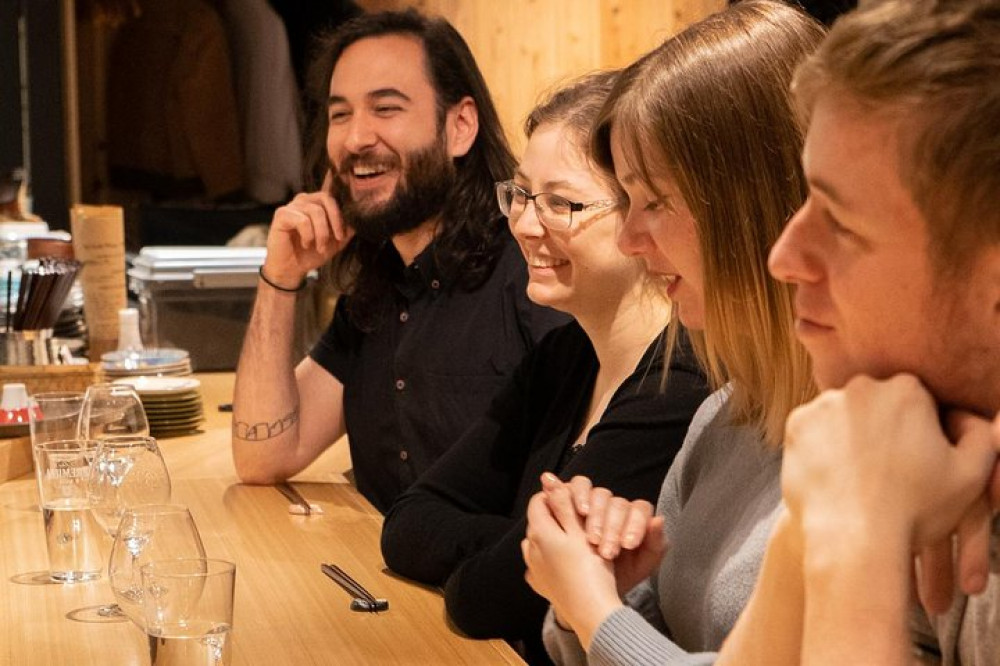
(579, 532)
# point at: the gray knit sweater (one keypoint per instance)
(969, 633)
(720, 500)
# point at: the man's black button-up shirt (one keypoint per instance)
(430, 367)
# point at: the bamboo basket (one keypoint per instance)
(45, 378)
(15, 452)
(15, 458)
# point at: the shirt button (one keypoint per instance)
(400, 384)
(403, 455)
(404, 316)
(435, 284)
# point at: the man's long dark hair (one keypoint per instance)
(472, 231)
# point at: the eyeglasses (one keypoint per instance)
(554, 212)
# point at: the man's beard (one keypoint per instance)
(420, 194)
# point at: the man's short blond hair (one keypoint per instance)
(935, 66)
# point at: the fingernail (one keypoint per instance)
(628, 539)
(549, 479)
(607, 552)
(974, 583)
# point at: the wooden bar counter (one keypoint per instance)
(286, 612)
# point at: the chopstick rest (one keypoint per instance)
(363, 600)
(364, 606)
(299, 510)
(299, 506)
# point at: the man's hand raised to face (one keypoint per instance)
(872, 458)
(305, 234)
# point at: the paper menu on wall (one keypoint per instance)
(99, 243)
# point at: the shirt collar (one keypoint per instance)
(421, 275)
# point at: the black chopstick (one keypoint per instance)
(10, 285)
(22, 296)
(355, 589)
(345, 581)
(43, 291)
(294, 496)
(60, 292)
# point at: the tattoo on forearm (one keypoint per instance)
(259, 432)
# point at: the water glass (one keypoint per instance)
(62, 469)
(57, 416)
(189, 611)
(112, 410)
(149, 533)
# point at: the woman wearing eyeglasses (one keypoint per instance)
(588, 401)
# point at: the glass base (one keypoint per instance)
(100, 613)
(33, 578)
(73, 576)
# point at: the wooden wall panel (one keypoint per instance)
(630, 28)
(524, 47)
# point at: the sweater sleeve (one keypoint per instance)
(561, 644)
(628, 452)
(633, 634)
(626, 637)
(637, 633)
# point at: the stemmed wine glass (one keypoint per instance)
(111, 410)
(148, 533)
(127, 470)
(115, 411)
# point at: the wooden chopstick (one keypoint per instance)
(355, 589)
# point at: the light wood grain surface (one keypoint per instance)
(525, 47)
(286, 612)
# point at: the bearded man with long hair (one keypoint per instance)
(433, 313)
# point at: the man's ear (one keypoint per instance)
(461, 126)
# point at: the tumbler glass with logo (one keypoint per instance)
(56, 416)
(62, 469)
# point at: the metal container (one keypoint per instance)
(199, 298)
(26, 347)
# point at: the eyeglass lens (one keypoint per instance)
(552, 209)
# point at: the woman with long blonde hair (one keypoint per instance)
(701, 135)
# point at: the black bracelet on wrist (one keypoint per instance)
(302, 285)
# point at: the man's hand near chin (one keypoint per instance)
(872, 478)
(941, 568)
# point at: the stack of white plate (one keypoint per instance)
(162, 362)
(173, 404)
